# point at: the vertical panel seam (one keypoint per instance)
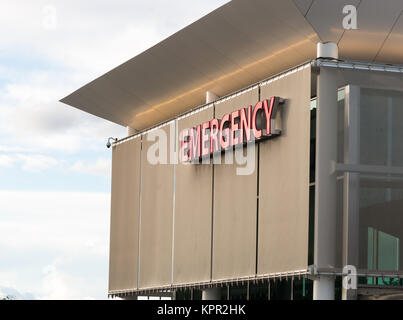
(110, 223)
(139, 224)
(257, 198)
(212, 212)
(173, 204)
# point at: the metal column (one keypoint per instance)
(326, 185)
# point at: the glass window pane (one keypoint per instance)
(381, 196)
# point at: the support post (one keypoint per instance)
(326, 183)
(211, 97)
(211, 294)
(323, 288)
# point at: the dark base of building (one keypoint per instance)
(373, 288)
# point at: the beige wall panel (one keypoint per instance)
(156, 219)
(234, 223)
(284, 180)
(193, 200)
(124, 215)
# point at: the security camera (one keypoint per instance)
(108, 144)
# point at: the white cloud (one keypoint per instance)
(55, 244)
(99, 167)
(33, 119)
(36, 162)
(13, 149)
(28, 162)
(6, 161)
(57, 285)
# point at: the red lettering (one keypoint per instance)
(195, 142)
(268, 110)
(245, 124)
(214, 135)
(234, 128)
(256, 133)
(205, 149)
(225, 132)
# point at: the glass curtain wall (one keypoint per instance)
(381, 195)
(378, 188)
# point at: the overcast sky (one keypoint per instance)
(54, 166)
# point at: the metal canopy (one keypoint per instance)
(238, 44)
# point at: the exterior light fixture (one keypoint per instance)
(108, 144)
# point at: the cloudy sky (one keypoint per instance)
(54, 166)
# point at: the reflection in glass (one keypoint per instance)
(381, 196)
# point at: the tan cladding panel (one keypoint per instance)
(234, 225)
(124, 215)
(284, 179)
(156, 216)
(193, 200)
